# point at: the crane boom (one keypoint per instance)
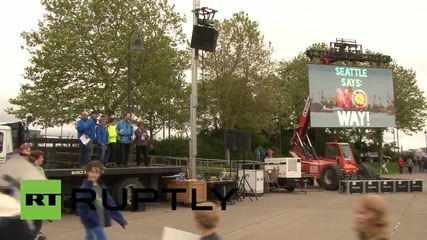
(297, 143)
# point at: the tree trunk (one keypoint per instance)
(380, 144)
(227, 151)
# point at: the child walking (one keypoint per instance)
(207, 221)
(95, 220)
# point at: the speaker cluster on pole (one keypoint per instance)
(204, 38)
(238, 140)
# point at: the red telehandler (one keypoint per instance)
(338, 164)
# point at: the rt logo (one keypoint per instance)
(41, 199)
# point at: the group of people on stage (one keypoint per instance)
(113, 139)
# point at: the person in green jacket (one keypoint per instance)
(111, 152)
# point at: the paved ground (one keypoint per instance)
(297, 216)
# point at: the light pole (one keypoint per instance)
(425, 135)
(138, 48)
(206, 21)
(193, 100)
(279, 126)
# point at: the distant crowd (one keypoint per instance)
(409, 164)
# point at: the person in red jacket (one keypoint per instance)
(400, 164)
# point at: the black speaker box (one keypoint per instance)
(244, 141)
(402, 186)
(247, 141)
(387, 186)
(231, 140)
(356, 187)
(238, 140)
(204, 38)
(372, 187)
(416, 186)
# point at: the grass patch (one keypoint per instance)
(391, 166)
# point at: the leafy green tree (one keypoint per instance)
(410, 102)
(239, 76)
(79, 60)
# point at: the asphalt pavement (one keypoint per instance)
(298, 216)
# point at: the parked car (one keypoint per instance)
(374, 156)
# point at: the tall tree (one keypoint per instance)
(79, 59)
(410, 102)
(239, 76)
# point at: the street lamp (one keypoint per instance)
(138, 48)
(28, 119)
(425, 134)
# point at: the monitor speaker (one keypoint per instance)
(244, 141)
(231, 140)
(204, 38)
(238, 140)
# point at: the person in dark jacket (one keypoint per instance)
(207, 220)
(86, 128)
(141, 142)
(95, 220)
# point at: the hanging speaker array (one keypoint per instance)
(204, 38)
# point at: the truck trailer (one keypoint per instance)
(61, 159)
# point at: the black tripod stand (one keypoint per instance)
(242, 190)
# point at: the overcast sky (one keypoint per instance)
(395, 28)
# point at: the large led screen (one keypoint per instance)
(351, 97)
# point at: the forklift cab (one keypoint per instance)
(340, 153)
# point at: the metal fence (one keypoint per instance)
(205, 164)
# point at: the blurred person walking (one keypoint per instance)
(409, 165)
(207, 221)
(37, 158)
(421, 163)
(11, 173)
(371, 218)
(95, 220)
(400, 165)
(11, 226)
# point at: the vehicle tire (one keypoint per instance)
(129, 184)
(331, 176)
(319, 182)
(366, 172)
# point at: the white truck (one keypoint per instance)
(289, 171)
(115, 178)
(6, 145)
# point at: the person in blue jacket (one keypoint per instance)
(101, 139)
(94, 221)
(125, 131)
(86, 127)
